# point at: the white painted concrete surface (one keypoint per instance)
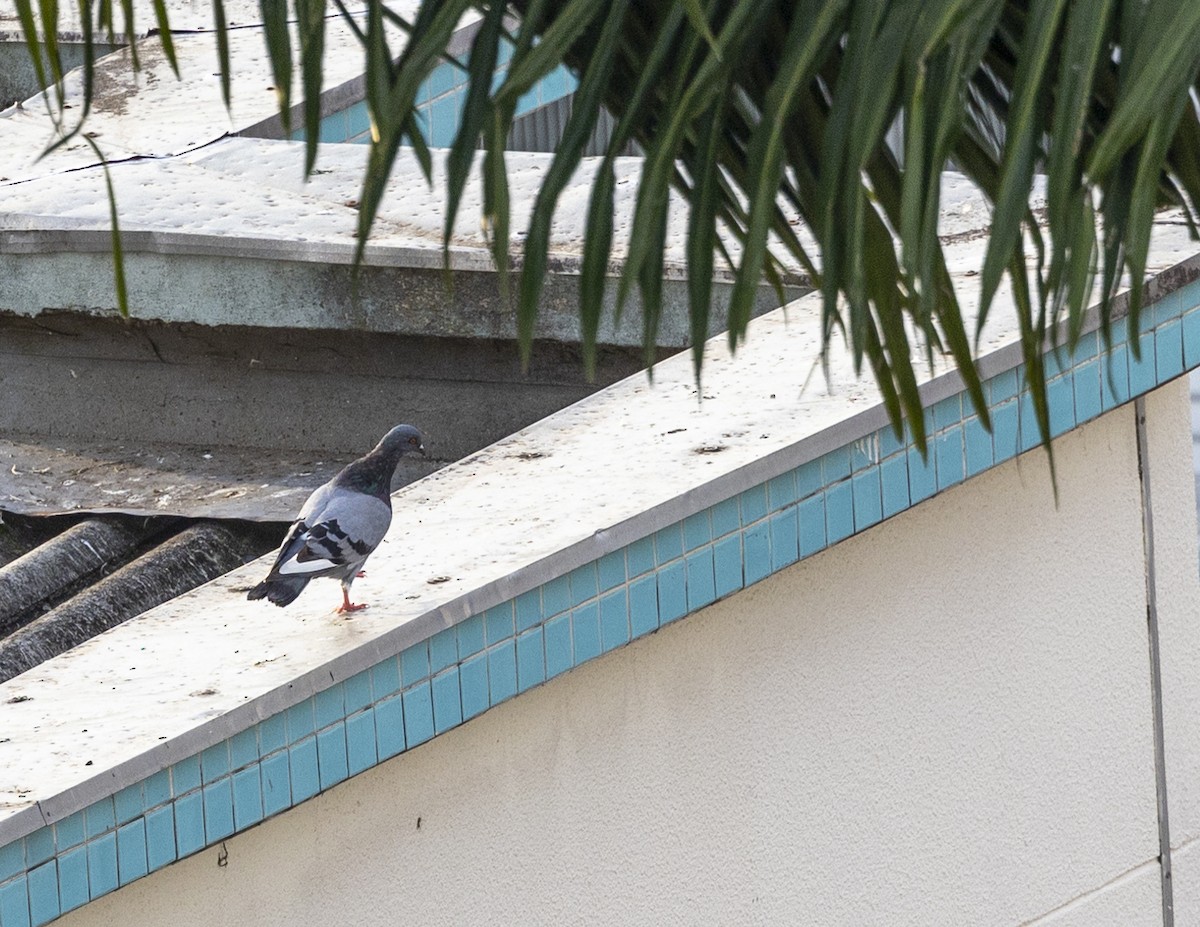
(945, 720)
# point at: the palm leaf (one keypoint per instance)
(576, 133)
(311, 23)
(279, 51)
(221, 25)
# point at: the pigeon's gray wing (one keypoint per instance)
(336, 531)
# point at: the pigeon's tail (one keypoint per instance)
(280, 591)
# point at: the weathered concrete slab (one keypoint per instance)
(40, 476)
(238, 422)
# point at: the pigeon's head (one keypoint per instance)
(401, 440)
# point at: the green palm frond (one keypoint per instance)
(751, 111)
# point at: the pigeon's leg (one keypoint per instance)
(348, 606)
(361, 573)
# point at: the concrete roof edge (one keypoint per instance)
(84, 238)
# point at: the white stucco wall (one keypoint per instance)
(945, 720)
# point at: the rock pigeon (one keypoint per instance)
(341, 524)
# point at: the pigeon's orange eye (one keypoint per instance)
(412, 440)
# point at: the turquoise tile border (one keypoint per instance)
(460, 672)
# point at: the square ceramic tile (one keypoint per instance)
(447, 700)
(418, 714)
(727, 566)
(868, 498)
(784, 532)
(389, 727)
(102, 865)
(131, 852)
(502, 670)
(531, 660)
(839, 512)
(218, 810)
(473, 685)
(331, 761)
(701, 587)
(614, 619)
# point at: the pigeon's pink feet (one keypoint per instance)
(348, 606)
(361, 573)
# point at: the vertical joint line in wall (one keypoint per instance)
(1160, 765)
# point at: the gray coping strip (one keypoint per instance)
(494, 523)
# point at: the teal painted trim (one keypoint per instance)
(439, 104)
(459, 673)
